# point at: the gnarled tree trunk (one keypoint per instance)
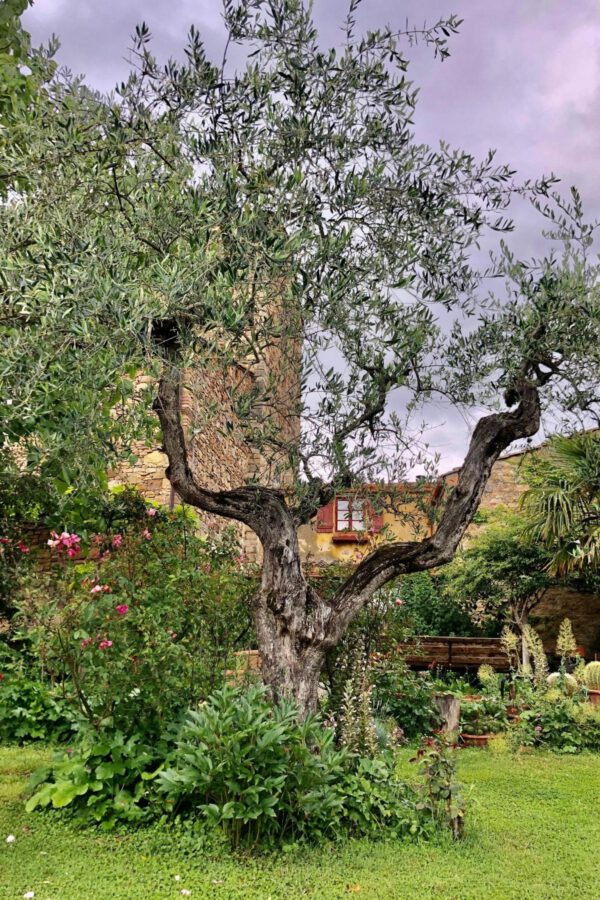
(295, 626)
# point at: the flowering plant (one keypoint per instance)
(136, 627)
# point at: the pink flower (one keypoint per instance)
(23, 547)
(97, 539)
(146, 534)
(97, 589)
(117, 540)
(104, 644)
(122, 609)
(538, 728)
(399, 602)
(86, 643)
(69, 542)
(106, 589)
(151, 512)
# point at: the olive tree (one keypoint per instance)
(271, 212)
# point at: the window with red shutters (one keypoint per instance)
(325, 517)
(349, 518)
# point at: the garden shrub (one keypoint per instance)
(264, 777)
(32, 709)
(146, 622)
(405, 696)
(251, 770)
(107, 779)
(560, 723)
(442, 794)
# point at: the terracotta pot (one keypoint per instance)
(594, 697)
(512, 713)
(475, 740)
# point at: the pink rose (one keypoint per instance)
(122, 609)
(86, 642)
(146, 534)
(23, 547)
(97, 589)
(104, 644)
(117, 540)
(399, 602)
(151, 512)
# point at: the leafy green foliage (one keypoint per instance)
(485, 716)
(146, 624)
(562, 504)
(501, 573)
(405, 696)
(430, 610)
(264, 777)
(30, 708)
(560, 723)
(106, 779)
(443, 794)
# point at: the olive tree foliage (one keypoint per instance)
(274, 225)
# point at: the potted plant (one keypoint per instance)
(481, 720)
(591, 679)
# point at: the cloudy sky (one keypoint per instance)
(523, 77)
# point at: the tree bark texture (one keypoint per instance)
(295, 626)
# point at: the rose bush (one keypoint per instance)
(141, 623)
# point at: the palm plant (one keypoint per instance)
(563, 502)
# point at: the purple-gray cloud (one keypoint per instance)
(523, 77)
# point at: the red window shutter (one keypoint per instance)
(325, 517)
(375, 518)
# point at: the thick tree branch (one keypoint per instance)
(262, 509)
(492, 435)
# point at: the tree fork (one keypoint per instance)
(295, 627)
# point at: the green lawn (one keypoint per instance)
(533, 831)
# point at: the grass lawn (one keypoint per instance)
(533, 831)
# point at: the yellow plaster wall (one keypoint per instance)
(319, 547)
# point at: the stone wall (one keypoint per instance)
(220, 453)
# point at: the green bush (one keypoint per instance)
(31, 710)
(107, 779)
(145, 624)
(405, 696)
(559, 723)
(262, 776)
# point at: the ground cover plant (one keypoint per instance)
(529, 833)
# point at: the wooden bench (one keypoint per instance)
(454, 653)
